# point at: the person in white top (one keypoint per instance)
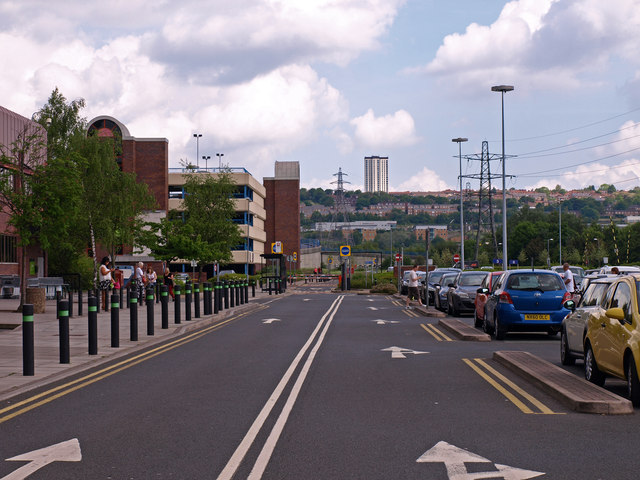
(568, 279)
(413, 286)
(104, 276)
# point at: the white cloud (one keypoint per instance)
(539, 44)
(424, 181)
(393, 130)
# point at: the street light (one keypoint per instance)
(459, 141)
(197, 137)
(502, 89)
(206, 161)
(219, 155)
(548, 253)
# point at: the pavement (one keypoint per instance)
(48, 368)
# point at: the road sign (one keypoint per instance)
(397, 257)
(276, 247)
(497, 261)
(295, 256)
(345, 251)
(330, 260)
(456, 258)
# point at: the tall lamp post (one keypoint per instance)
(505, 262)
(548, 253)
(197, 137)
(219, 155)
(206, 159)
(459, 141)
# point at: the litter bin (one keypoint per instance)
(36, 297)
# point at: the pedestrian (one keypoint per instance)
(151, 276)
(139, 278)
(413, 286)
(168, 281)
(615, 271)
(106, 282)
(569, 282)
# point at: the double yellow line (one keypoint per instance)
(436, 333)
(52, 394)
(526, 402)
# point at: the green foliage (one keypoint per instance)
(384, 288)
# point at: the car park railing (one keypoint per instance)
(51, 285)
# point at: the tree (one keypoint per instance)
(205, 230)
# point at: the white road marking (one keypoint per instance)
(398, 352)
(372, 308)
(454, 459)
(68, 451)
(384, 322)
(270, 320)
(240, 452)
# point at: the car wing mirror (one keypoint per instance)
(452, 285)
(615, 313)
(483, 290)
(570, 305)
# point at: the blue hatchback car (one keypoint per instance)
(526, 300)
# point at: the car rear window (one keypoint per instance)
(535, 281)
(472, 279)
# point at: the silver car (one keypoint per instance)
(574, 325)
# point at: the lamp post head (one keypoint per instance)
(459, 139)
(502, 88)
(197, 135)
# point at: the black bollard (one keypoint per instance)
(269, 286)
(237, 287)
(225, 290)
(70, 299)
(115, 321)
(129, 292)
(63, 330)
(80, 302)
(253, 289)
(196, 300)
(187, 301)
(133, 315)
(121, 295)
(28, 364)
(176, 304)
(96, 294)
(150, 313)
(164, 304)
(216, 297)
(207, 298)
(106, 301)
(232, 295)
(157, 293)
(93, 325)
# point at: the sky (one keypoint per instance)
(328, 82)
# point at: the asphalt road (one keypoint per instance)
(318, 385)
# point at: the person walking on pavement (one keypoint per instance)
(413, 286)
(106, 281)
(138, 277)
(168, 281)
(569, 283)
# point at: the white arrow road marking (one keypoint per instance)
(306, 299)
(384, 322)
(267, 321)
(398, 352)
(372, 308)
(370, 300)
(454, 459)
(68, 451)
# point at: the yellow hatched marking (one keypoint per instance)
(439, 332)
(544, 410)
(431, 332)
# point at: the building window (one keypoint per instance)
(243, 192)
(176, 191)
(8, 249)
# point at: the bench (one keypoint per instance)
(51, 285)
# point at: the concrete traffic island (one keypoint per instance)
(575, 392)
(463, 331)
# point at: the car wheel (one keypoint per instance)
(476, 321)
(633, 383)
(485, 324)
(498, 331)
(449, 309)
(565, 356)
(591, 371)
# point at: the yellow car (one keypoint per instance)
(612, 342)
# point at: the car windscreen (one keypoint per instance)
(535, 281)
(472, 279)
(435, 277)
(447, 279)
(593, 294)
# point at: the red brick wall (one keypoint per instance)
(149, 160)
(282, 204)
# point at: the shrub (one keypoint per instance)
(387, 288)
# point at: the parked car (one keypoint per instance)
(461, 297)
(404, 287)
(621, 269)
(612, 343)
(481, 298)
(434, 278)
(574, 325)
(578, 274)
(442, 288)
(526, 300)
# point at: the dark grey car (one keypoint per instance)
(461, 297)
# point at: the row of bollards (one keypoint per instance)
(216, 297)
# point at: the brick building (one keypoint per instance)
(13, 129)
(282, 204)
